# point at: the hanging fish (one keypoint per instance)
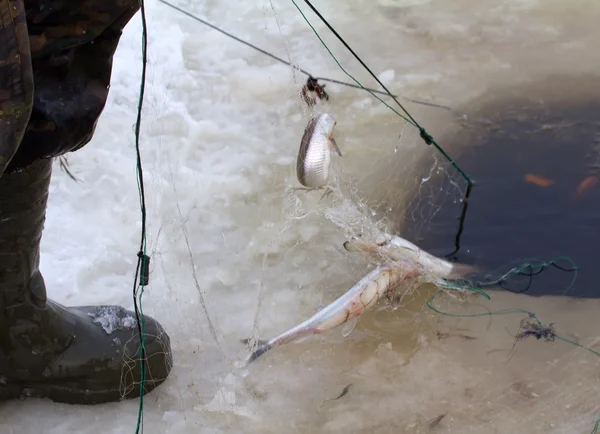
(314, 156)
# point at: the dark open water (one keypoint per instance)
(510, 218)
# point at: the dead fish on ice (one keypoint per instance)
(348, 307)
(314, 156)
(362, 296)
(393, 248)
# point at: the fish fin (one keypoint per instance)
(349, 326)
(413, 249)
(335, 146)
(399, 242)
(461, 270)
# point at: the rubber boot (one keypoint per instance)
(75, 355)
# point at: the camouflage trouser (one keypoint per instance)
(55, 68)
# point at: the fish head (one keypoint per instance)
(327, 124)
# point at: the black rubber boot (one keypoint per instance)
(76, 355)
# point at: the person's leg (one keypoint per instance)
(78, 355)
(16, 79)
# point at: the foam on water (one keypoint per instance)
(221, 130)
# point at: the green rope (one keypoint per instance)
(346, 72)
(560, 338)
(142, 364)
(424, 135)
(429, 140)
(456, 286)
(143, 260)
(430, 305)
(534, 266)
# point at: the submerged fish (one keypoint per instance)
(395, 248)
(540, 181)
(362, 296)
(586, 184)
(314, 156)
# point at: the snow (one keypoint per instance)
(110, 318)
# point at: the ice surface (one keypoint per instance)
(221, 130)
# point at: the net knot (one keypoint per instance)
(425, 136)
(312, 85)
(532, 327)
(144, 269)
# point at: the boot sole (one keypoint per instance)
(73, 395)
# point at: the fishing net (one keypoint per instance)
(238, 251)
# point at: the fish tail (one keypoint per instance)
(263, 347)
(461, 270)
(296, 334)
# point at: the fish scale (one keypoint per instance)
(314, 156)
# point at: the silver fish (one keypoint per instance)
(348, 307)
(395, 248)
(314, 156)
(408, 262)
